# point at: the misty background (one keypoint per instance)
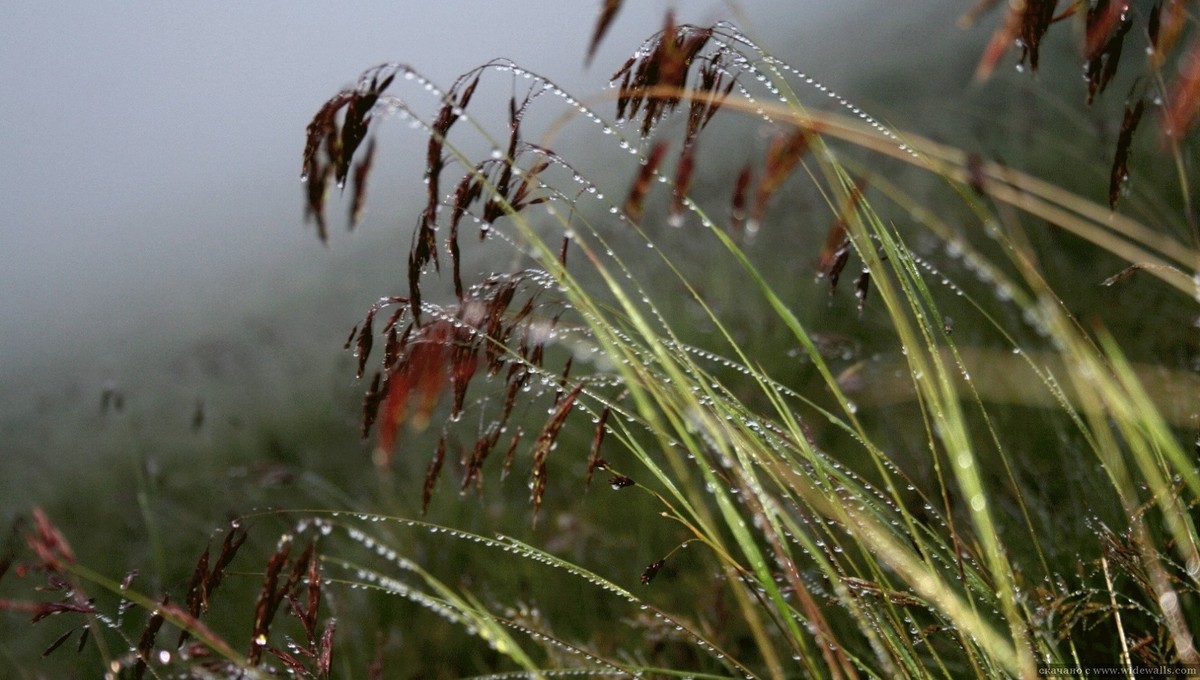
(152, 241)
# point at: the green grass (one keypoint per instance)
(968, 460)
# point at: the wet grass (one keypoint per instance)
(610, 426)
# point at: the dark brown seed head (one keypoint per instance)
(641, 184)
(618, 482)
(651, 571)
(595, 462)
(607, 13)
(1120, 167)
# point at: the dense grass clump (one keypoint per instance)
(941, 461)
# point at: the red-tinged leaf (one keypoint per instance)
(562, 253)
(422, 374)
(981, 7)
(1183, 103)
(1102, 18)
(1120, 167)
(641, 184)
(350, 338)
(608, 12)
(999, 44)
(595, 462)
(395, 412)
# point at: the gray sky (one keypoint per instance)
(148, 143)
(152, 148)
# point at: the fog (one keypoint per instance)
(152, 156)
(152, 150)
